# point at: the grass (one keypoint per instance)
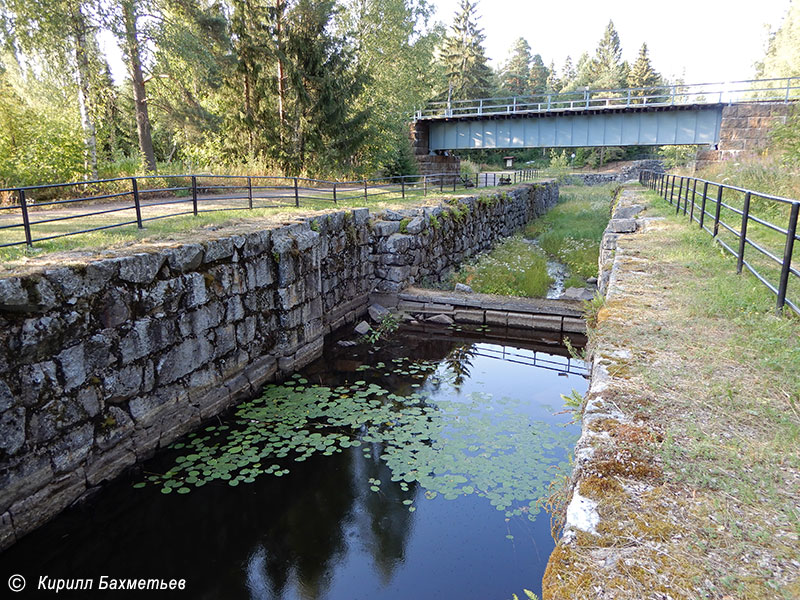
(513, 268)
(769, 239)
(188, 227)
(712, 402)
(571, 231)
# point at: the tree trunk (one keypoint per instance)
(82, 62)
(139, 92)
(279, 8)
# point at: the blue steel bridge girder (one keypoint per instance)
(617, 127)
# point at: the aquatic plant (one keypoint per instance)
(479, 445)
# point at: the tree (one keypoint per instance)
(553, 84)
(323, 83)
(394, 46)
(568, 73)
(643, 75)
(59, 32)
(132, 49)
(468, 72)
(782, 58)
(607, 65)
(538, 77)
(515, 75)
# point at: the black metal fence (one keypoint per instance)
(708, 199)
(44, 212)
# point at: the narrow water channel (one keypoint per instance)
(407, 469)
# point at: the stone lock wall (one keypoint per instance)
(412, 246)
(106, 362)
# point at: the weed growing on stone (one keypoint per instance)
(513, 268)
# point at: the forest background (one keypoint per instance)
(320, 88)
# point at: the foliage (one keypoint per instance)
(514, 268)
(464, 57)
(782, 58)
(677, 156)
(515, 75)
(528, 594)
(40, 133)
(643, 75)
(387, 325)
(785, 139)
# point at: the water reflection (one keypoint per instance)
(321, 532)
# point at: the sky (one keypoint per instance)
(705, 41)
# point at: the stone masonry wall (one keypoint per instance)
(421, 244)
(107, 362)
(745, 129)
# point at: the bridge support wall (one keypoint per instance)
(744, 130)
(430, 163)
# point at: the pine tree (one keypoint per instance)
(609, 70)
(515, 76)
(568, 73)
(468, 72)
(553, 82)
(643, 75)
(538, 77)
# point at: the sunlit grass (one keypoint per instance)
(514, 268)
(571, 231)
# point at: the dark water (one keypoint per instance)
(320, 531)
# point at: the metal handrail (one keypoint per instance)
(664, 185)
(783, 89)
(293, 192)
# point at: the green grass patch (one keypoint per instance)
(514, 268)
(571, 231)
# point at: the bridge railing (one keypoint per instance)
(738, 218)
(34, 214)
(775, 90)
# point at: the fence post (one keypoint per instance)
(136, 203)
(26, 224)
(441, 183)
(672, 190)
(476, 181)
(791, 232)
(515, 178)
(686, 200)
(694, 197)
(296, 193)
(403, 187)
(334, 192)
(250, 192)
(455, 181)
(717, 211)
(678, 203)
(703, 204)
(424, 185)
(743, 232)
(365, 189)
(194, 195)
